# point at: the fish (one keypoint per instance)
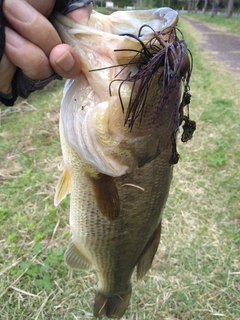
(119, 120)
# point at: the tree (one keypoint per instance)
(229, 8)
(205, 6)
(215, 5)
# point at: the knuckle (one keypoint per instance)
(37, 67)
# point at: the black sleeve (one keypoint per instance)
(22, 86)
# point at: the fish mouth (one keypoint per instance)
(135, 64)
(149, 46)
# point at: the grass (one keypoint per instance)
(231, 25)
(196, 272)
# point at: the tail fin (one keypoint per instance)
(112, 305)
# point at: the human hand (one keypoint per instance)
(33, 45)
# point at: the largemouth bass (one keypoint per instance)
(118, 126)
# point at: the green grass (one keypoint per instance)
(231, 25)
(196, 272)
(103, 10)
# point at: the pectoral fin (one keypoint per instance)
(106, 195)
(63, 187)
(145, 261)
(74, 259)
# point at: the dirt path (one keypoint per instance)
(222, 47)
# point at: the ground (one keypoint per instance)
(222, 47)
(195, 274)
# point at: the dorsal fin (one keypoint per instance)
(145, 261)
(63, 187)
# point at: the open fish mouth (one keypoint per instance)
(141, 47)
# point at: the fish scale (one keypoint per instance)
(107, 250)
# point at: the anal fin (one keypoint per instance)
(145, 261)
(74, 259)
(63, 187)
(111, 305)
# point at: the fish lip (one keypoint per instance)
(166, 12)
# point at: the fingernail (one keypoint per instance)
(20, 10)
(66, 62)
(13, 39)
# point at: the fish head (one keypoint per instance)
(122, 110)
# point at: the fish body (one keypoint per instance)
(117, 144)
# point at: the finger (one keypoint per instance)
(7, 71)
(81, 15)
(65, 61)
(31, 24)
(27, 56)
(63, 58)
(44, 7)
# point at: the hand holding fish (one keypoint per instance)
(34, 53)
